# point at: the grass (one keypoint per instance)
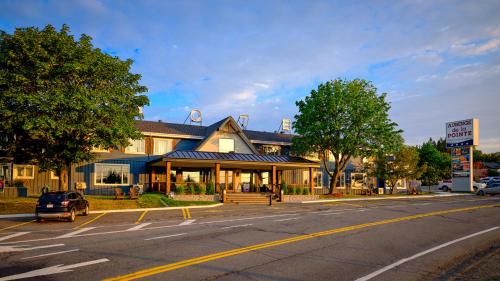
(148, 200)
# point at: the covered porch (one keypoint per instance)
(232, 172)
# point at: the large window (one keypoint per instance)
(112, 174)
(162, 146)
(318, 178)
(136, 147)
(226, 145)
(191, 176)
(25, 172)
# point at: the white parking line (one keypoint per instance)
(400, 262)
(75, 232)
(51, 254)
(13, 235)
(288, 219)
(166, 236)
(234, 226)
(139, 226)
(329, 214)
(187, 222)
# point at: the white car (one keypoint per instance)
(447, 185)
(492, 189)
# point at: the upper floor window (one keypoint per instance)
(226, 145)
(162, 146)
(136, 146)
(271, 149)
(25, 172)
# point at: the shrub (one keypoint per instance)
(18, 183)
(179, 189)
(191, 188)
(210, 188)
(294, 191)
(305, 191)
(202, 189)
(284, 187)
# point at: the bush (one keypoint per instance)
(305, 191)
(202, 189)
(294, 191)
(179, 189)
(191, 188)
(210, 190)
(284, 187)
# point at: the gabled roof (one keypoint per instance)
(205, 131)
(212, 129)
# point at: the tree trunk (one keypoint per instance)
(63, 178)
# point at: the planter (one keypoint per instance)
(196, 197)
(299, 198)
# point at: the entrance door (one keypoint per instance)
(226, 180)
(246, 180)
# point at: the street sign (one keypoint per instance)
(462, 133)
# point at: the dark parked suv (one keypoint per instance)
(61, 204)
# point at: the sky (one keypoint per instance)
(438, 61)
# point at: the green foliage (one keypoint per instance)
(202, 189)
(61, 97)
(305, 191)
(294, 190)
(284, 187)
(18, 183)
(492, 173)
(210, 188)
(486, 157)
(179, 189)
(347, 118)
(192, 189)
(435, 165)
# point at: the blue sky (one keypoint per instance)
(438, 61)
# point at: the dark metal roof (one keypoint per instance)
(201, 155)
(204, 131)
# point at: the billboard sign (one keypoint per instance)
(462, 133)
(460, 162)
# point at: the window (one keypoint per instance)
(265, 177)
(99, 148)
(188, 176)
(24, 172)
(318, 178)
(271, 149)
(112, 174)
(162, 146)
(136, 147)
(53, 175)
(305, 177)
(226, 145)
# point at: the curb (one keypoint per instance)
(121, 210)
(382, 198)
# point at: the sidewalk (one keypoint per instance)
(121, 210)
(395, 197)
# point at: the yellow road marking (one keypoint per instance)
(185, 263)
(188, 213)
(183, 213)
(16, 225)
(94, 219)
(141, 217)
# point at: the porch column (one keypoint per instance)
(311, 179)
(217, 177)
(169, 166)
(274, 179)
(152, 178)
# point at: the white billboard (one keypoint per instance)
(462, 133)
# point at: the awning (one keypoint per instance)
(232, 160)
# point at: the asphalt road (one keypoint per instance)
(417, 239)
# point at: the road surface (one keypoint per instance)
(411, 239)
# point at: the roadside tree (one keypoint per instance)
(435, 165)
(347, 118)
(61, 97)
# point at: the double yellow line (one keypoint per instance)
(185, 213)
(220, 255)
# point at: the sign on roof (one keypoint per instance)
(462, 133)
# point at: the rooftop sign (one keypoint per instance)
(462, 133)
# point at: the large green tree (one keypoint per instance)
(347, 118)
(60, 97)
(436, 165)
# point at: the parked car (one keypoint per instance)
(61, 205)
(447, 185)
(491, 189)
